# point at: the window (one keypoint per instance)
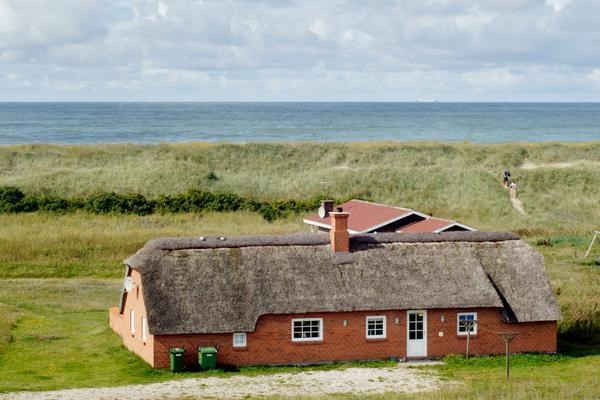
(462, 323)
(144, 329)
(416, 325)
(239, 340)
(376, 327)
(307, 329)
(132, 321)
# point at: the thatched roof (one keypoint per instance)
(209, 285)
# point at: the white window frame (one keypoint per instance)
(144, 329)
(239, 334)
(373, 318)
(473, 331)
(312, 339)
(132, 321)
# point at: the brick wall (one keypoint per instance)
(271, 342)
(121, 323)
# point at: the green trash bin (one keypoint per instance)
(207, 358)
(176, 358)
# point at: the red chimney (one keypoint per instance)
(340, 239)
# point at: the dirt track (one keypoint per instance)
(400, 378)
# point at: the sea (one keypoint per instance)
(113, 122)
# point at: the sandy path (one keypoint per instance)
(528, 165)
(400, 378)
(517, 205)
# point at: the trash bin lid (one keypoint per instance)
(175, 350)
(204, 350)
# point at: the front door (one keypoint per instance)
(416, 335)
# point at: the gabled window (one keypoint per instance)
(132, 321)
(144, 329)
(239, 340)
(307, 329)
(376, 327)
(463, 320)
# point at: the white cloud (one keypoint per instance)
(298, 50)
(558, 5)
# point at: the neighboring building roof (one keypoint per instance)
(435, 225)
(365, 216)
(192, 285)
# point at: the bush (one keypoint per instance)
(113, 203)
(55, 204)
(12, 199)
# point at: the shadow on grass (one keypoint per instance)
(576, 350)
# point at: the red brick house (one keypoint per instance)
(306, 298)
(368, 217)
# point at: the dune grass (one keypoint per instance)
(449, 180)
(81, 244)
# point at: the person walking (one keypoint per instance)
(506, 175)
(513, 190)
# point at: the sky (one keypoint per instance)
(303, 50)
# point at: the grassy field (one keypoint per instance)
(60, 272)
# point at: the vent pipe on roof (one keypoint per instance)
(340, 239)
(326, 208)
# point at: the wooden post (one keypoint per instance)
(468, 324)
(508, 337)
(591, 244)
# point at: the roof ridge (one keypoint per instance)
(320, 239)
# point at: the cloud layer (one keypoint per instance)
(461, 50)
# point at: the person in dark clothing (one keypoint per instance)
(506, 176)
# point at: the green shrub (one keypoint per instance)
(114, 203)
(11, 199)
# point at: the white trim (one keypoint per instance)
(319, 224)
(313, 339)
(474, 331)
(455, 223)
(238, 334)
(408, 312)
(144, 329)
(372, 317)
(132, 321)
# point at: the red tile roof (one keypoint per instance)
(427, 225)
(368, 217)
(364, 216)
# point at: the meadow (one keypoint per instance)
(61, 271)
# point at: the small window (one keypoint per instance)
(132, 321)
(307, 329)
(239, 340)
(464, 320)
(376, 327)
(144, 329)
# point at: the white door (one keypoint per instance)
(416, 334)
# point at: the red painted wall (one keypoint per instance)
(271, 342)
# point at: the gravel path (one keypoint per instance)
(400, 378)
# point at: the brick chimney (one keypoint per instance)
(340, 239)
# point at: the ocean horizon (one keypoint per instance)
(244, 122)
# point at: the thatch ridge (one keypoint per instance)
(313, 239)
(213, 288)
